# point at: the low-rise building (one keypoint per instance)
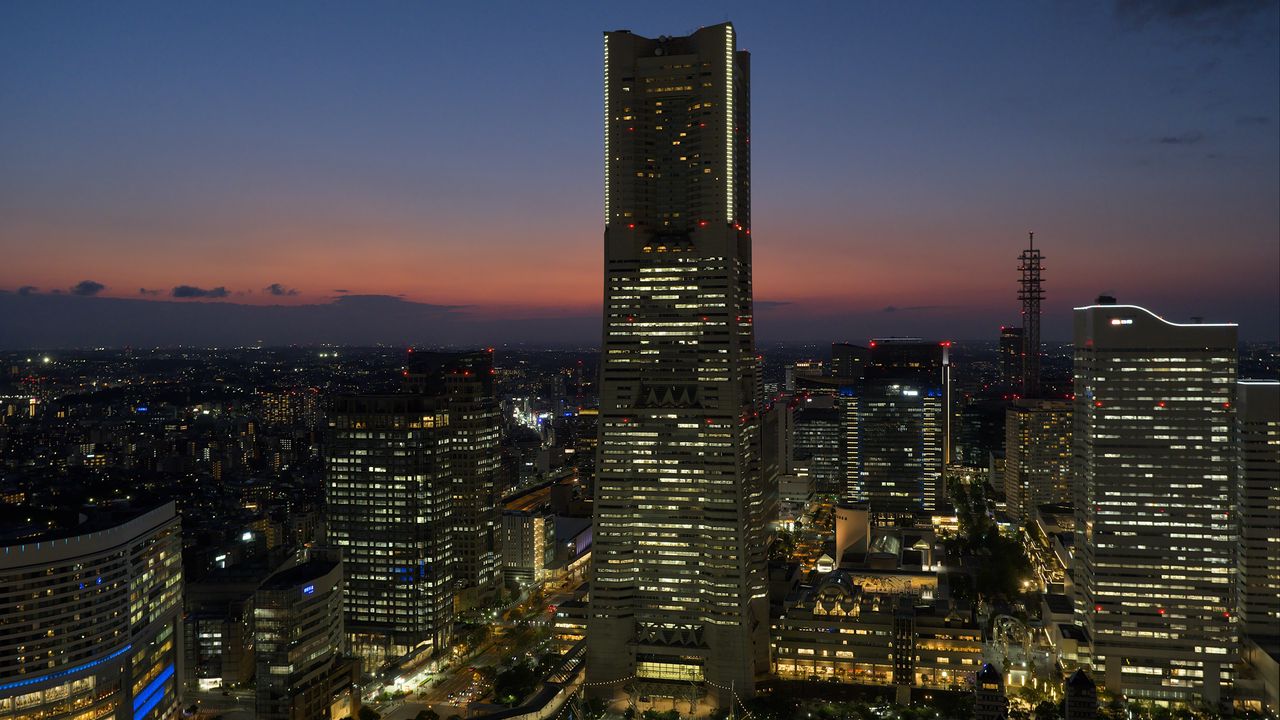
(900, 633)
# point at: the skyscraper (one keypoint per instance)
(902, 428)
(1154, 462)
(389, 487)
(1258, 437)
(465, 382)
(412, 496)
(1037, 456)
(1011, 358)
(818, 443)
(679, 586)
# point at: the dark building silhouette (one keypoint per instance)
(1081, 701)
(989, 700)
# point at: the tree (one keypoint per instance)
(1046, 711)
(427, 714)
(512, 685)
(367, 713)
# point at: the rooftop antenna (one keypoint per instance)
(1031, 294)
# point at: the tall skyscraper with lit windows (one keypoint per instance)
(901, 427)
(1154, 465)
(679, 586)
(389, 487)
(1037, 448)
(412, 502)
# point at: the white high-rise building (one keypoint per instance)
(1154, 467)
(679, 587)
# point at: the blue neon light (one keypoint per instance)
(152, 694)
(149, 707)
(309, 590)
(64, 673)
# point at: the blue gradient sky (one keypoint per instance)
(449, 153)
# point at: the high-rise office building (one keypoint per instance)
(679, 588)
(390, 487)
(902, 428)
(848, 361)
(89, 619)
(411, 484)
(465, 381)
(1258, 439)
(1153, 467)
(799, 371)
(1011, 358)
(818, 443)
(1037, 451)
(299, 643)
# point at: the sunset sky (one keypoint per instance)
(450, 154)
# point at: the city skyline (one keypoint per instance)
(226, 167)
(307, 410)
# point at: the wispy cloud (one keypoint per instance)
(1216, 22)
(279, 290)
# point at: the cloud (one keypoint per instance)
(342, 290)
(1140, 13)
(1217, 22)
(28, 290)
(1253, 120)
(279, 290)
(191, 291)
(87, 288)
(1186, 138)
(149, 293)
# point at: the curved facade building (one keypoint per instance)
(89, 620)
